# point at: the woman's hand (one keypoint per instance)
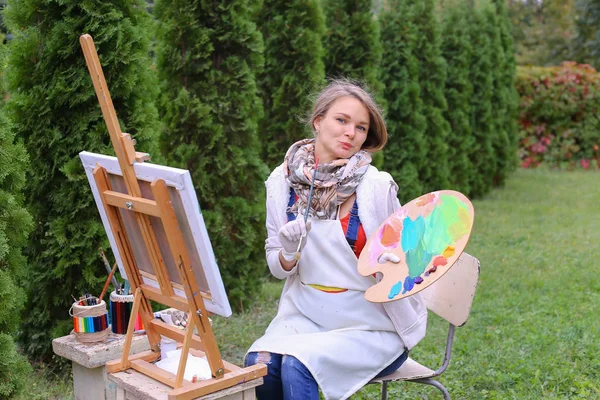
(290, 236)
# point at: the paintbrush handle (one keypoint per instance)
(110, 276)
(108, 269)
(310, 194)
(299, 246)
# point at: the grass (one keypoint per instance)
(46, 385)
(534, 330)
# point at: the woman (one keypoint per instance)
(326, 335)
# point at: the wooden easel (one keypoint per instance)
(224, 374)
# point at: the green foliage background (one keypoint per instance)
(293, 33)
(482, 152)
(407, 146)
(56, 114)
(586, 44)
(207, 61)
(500, 140)
(15, 225)
(457, 51)
(352, 42)
(509, 95)
(434, 172)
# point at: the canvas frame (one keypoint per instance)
(198, 243)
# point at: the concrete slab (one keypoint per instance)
(133, 385)
(94, 355)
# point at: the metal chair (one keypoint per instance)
(450, 298)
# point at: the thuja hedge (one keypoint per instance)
(207, 60)
(406, 150)
(15, 224)
(559, 116)
(449, 80)
(352, 42)
(293, 33)
(55, 112)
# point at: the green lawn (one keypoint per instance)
(534, 330)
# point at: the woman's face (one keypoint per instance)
(342, 131)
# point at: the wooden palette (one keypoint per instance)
(428, 234)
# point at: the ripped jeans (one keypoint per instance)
(288, 379)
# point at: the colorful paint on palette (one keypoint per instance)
(425, 240)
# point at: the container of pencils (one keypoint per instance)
(120, 311)
(90, 322)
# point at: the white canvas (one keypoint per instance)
(188, 209)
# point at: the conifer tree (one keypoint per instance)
(434, 173)
(406, 148)
(585, 47)
(293, 32)
(207, 61)
(482, 152)
(15, 225)
(55, 112)
(507, 83)
(499, 138)
(352, 43)
(457, 51)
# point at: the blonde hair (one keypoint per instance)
(377, 135)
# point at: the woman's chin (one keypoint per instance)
(346, 153)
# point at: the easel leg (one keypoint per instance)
(185, 350)
(137, 299)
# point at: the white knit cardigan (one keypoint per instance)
(377, 199)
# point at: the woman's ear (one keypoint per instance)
(317, 124)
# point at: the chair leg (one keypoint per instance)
(384, 390)
(432, 382)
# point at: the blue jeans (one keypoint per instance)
(288, 379)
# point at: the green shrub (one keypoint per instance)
(352, 45)
(55, 112)
(503, 154)
(506, 77)
(481, 76)
(293, 33)
(457, 51)
(586, 44)
(406, 149)
(15, 225)
(433, 172)
(558, 116)
(208, 56)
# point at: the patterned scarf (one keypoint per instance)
(335, 181)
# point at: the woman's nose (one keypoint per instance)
(350, 130)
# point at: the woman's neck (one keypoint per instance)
(322, 156)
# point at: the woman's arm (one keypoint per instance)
(279, 267)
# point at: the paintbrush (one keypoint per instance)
(110, 276)
(110, 272)
(310, 193)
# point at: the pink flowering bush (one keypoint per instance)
(559, 116)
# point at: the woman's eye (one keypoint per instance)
(342, 120)
(362, 128)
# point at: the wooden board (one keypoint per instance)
(428, 234)
(189, 216)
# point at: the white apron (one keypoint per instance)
(342, 339)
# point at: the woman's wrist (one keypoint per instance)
(286, 264)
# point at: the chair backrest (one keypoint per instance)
(452, 295)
